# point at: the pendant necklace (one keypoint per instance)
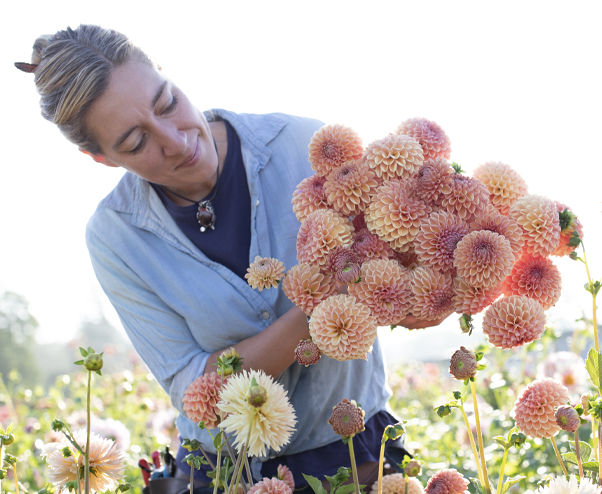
(205, 214)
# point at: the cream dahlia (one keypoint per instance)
(468, 197)
(504, 184)
(309, 196)
(560, 485)
(286, 476)
(344, 264)
(433, 179)
(534, 408)
(321, 232)
(447, 481)
(432, 294)
(349, 187)
(331, 146)
(538, 218)
(472, 300)
(493, 221)
(343, 328)
(513, 321)
(569, 223)
(432, 138)
(270, 486)
(396, 484)
(200, 399)
(306, 286)
(368, 245)
(307, 353)
(395, 156)
(264, 272)
(347, 418)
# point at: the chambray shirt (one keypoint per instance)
(177, 306)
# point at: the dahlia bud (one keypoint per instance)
(412, 469)
(463, 364)
(518, 439)
(124, 487)
(567, 418)
(347, 418)
(93, 362)
(307, 353)
(2, 474)
(229, 362)
(7, 439)
(349, 274)
(443, 411)
(585, 404)
(66, 452)
(58, 425)
(257, 395)
(466, 324)
(10, 459)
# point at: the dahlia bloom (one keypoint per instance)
(463, 364)
(264, 272)
(433, 179)
(343, 328)
(306, 286)
(331, 146)
(309, 196)
(385, 288)
(286, 476)
(349, 187)
(344, 264)
(504, 184)
(447, 481)
(432, 138)
(273, 422)
(472, 300)
(560, 485)
(568, 224)
(538, 218)
(307, 353)
(513, 321)
(395, 156)
(368, 245)
(347, 418)
(270, 486)
(432, 294)
(493, 221)
(468, 197)
(396, 484)
(567, 418)
(535, 277)
(321, 232)
(534, 408)
(200, 399)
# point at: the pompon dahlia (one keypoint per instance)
(433, 179)
(437, 239)
(493, 221)
(472, 300)
(394, 215)
(306, 286)
(343, 328)
(368, 246)
(468, 197)
(307, 353)
(504, 184)
(463, 364)
(344, 264)
(321, 232)
(271, 486)
(385, 289)
(535, 277)
(286, 476)
(395, 156)
(483, 258)
(432, 138)
(349, 187)
(568, 224)
(447, 481)
(264, 272)
(534, 408)
(538, 218)
(273, 422)
(331, 146)
(347, 418)
(513, 321)
(201, 398)
(309, 196)
(432, 294)
(396, 484)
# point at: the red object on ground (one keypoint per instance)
(146, 471)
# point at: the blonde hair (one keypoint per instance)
(73, 70)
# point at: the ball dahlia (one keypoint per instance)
(433, 179)
(309, 196)
(432, 138)
(307, 353)
(432, 294)
(504, 184)
(349, 187)
(493, 221)
(286, 476)
(447, 481)
(264, 272)
(347, 418)
(321, 232)
(385, 289)
(331, 146)
(483, 258)
(468, 197)
(368, 245)
(395, 156)
(343, 328)
(201, 398)
(472, 300)
(270, 486)
(396, 484)
(513, 321)
(344, 264)
(569, 223)
(534, 408)
(306, 286)
(538, 218)
(535, 277)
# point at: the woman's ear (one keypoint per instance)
(99, 158)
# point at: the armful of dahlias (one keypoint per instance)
(412, 322)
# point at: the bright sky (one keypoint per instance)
(517, 82)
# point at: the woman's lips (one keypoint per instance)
(193, 159)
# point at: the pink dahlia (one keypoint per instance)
(432, 138)
(368, 246)
(437, 239)
(504, 184)
(483, 258)
(535, 277)
(394, 215)
(201, 398)
(567, 418)
(385, 289)
(468, 197)
(434, 178)
(270, 486)
(309, 196)
(432, 294)
(264, 272)
(344, 264)
(538, 217)
(395, 156)
(534, 409)
(333, 145)
(395, 484)
(322, 231)
(307, 353)
(306, 286)
(513, 321)
(447, 481)
(286, 476)
(493, 221)
(463, 364)
(569, 223)
(472, 300)
(349, 187)
(343, 328)
(347, 418)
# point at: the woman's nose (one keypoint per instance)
(173, 141)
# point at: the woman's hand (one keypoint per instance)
(412, 322)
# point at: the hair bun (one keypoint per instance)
(38, 48)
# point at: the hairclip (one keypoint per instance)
(26, 67)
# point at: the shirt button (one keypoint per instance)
(257, 203)
(265, 314)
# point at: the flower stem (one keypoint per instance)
(243, 454)
(16, 479)
(207, 457)
(594, 319)
(407, 482)
(558, 456)
(191, 479)
(599, 450)
(1, 457)
(87, 452)
(473, 445)
(380, 464)
(486, 484)
(578, 455)
(249, 475)
(353, 467)
(217, 468)
(501, 481)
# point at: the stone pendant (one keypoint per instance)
(206, 216)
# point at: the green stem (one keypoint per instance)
(380, 464)
(217, 468)
(501, 481)
(87, 453)
(1, 456)
(599, 450)
(249, 475)
(594, 319)
(353, 467)
(207, 457)
(234, 486)
(191, 479)
(407, 482)
(16, 479)
(473, 445)
(486, 484)
(558, 456)
(578, 455)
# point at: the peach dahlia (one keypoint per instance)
(492, 220)
(468, 197)
(395, 156)
(432, 138)
(321, 232)
(538, 218)
(504, 184)
(349, 187)
(309, 196)
(432, 294)
(331, 146)
(433, 179)
(306, 286)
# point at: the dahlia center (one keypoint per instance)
(568, 380)
(563, 420)
(307, 353)
(482, 250)
(346, 418)
(534, 275)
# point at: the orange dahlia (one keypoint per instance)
(472, 300)
(483, 258)
(538, 217)
(201, 398)
(306, 286)
(349, 187)
(569, 223)
(331, 146)
(368, 246)
(344, 264)
(385, 288)
(447, 481)
(434, 178)
(343, 328)
(322, 231)
(493, 221)
(432, 138)
(395, 156)
(468, 197)
(264, 272)
(309, 196)
(432, 294)
(504, 184)
(513, 321)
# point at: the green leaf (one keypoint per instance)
(315, 484)
(79, 362)
(217, 440)
(593, 365)
(11, 428)
(511, 481)
(83, 352)
(476, 483)
(345, 489)
(501, 441)
(591, 466)
(585, 450)
(570, 457)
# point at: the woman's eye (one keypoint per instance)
(140, 145)
(171, 106)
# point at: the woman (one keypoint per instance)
(173, 265)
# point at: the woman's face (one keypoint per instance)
(145, 124)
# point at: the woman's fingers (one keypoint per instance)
(412, 322)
